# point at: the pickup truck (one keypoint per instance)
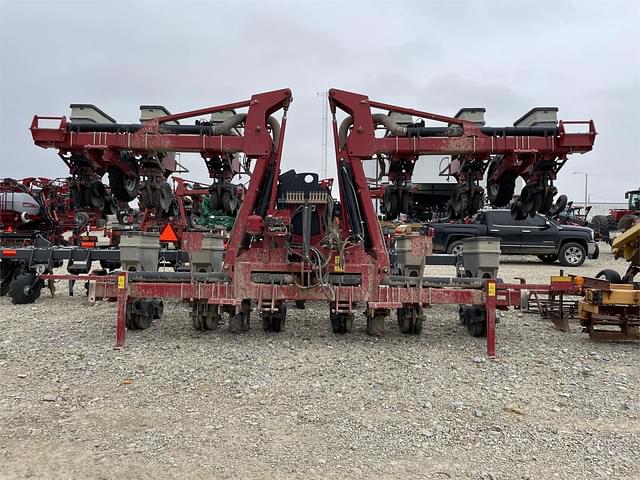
(536, 235)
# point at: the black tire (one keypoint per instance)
(300, 304)
(477, 202)
(454, 247)
(626, 222)
(110, 205)
(123, 187)
(559, 206)
(214, 199)
(23, 290)
(500, 194)
(516, 211)
(392, 205)
(404, 321)
(609, 275)
(600, 226)
(548, 257)
(572, 254)
(612, 222)
(95, 195)
(7, 274)
(529, 200)
(406, 200)
(477, 329)
(165, 196)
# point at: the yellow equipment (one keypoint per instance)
(610, 309)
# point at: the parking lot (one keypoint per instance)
(177, 403)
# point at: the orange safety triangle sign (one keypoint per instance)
(168, 234)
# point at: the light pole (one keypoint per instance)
(586, 186)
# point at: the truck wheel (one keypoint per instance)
(455, 248)
(548, 258)
(572, 254)
(609, 275)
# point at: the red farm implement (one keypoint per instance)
(535, 148)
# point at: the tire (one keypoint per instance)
(600, 226)
(95, 195)
(559, 206)
(609, 275)
(477, 329)
(529, 200)
(391, 202)
(21, 292)
(300, 304)
(626, 222)
(500, 194)
(123, 187)
(612, 222)
(516, 211)
(572, 254)
(455, 247)
(477, 202)
(548, 258)
(7, 274)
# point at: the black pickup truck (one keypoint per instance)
(537, 235)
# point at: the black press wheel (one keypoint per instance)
(609, 275)
(25, 289)
(572, 254)
(241, 322)
(410, 320)
(122, 187)
(477, 329)
(500, 193)
(341, 323)
(95, 195)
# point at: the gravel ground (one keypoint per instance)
(177, 403)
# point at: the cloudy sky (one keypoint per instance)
(438, 56)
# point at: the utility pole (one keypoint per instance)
(325, 131)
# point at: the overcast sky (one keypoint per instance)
(506, 56)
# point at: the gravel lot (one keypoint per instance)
(177, 403)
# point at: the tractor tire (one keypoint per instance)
(627, 221)
(613, 224)
(123, 187)
(500, 194)
(609, 275)
(23, 290)
(572, 254)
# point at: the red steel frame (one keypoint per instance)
(521, 149)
